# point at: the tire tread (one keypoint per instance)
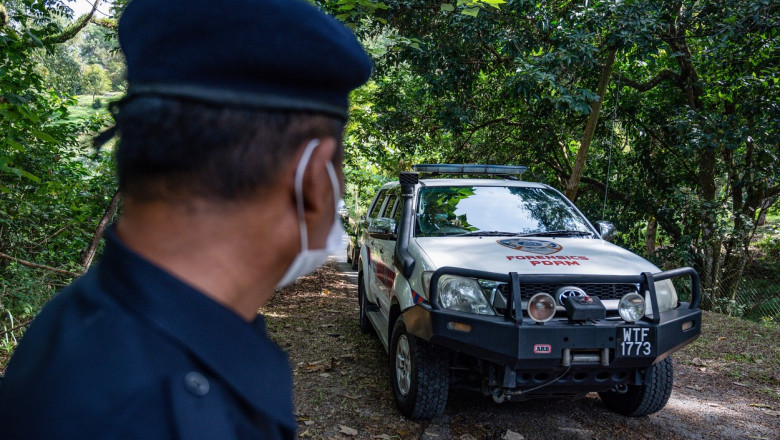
(645, 399)
(430, 381)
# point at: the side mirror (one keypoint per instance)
(382, 228)
(606, 229)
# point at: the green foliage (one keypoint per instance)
(689, 127)
(97, 45)
(53, 189)
(770, 246)
(94, 80)
(61, 71)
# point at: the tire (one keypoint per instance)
(420, 374)
(363, 322)
(354, 261)
(645, 399)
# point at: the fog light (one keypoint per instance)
(541, 307)
(631, 307)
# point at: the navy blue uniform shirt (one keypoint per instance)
(129, 352)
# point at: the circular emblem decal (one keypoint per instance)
(542, 247)
(564, 293)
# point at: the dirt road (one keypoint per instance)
(727, 384)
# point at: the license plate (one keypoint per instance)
(634, 342)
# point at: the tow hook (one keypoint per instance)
(500, 395)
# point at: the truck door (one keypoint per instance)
(369, 243)
(382, 255)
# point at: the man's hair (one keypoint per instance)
(175, 150)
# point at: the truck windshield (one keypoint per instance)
(496, 211)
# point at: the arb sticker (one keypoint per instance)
(542, 247)
(542, 349)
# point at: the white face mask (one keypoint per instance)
(307, 259)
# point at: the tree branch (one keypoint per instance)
(40, 266)
(664, 75)
(590, 127)
(73, 30)
(13, 329)
(89, 254)
(772, 191)
(500, 58)
(107, 23)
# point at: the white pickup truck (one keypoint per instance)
(483, 281)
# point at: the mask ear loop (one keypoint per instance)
(314, 143)
(334, 180)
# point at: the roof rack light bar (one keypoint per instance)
(510, 170)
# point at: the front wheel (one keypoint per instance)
(365, 325)
(420, 374)
(645, 399)
(355, 256)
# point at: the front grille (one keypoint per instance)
(602, 291)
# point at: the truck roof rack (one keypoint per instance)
(471, 169)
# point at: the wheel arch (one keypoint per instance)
(395, 312)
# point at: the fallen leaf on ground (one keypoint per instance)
(741, 384)
(381, 437)
(467, 437)
(511, 435)
(697, 361)
(760, 405)
(347, 430)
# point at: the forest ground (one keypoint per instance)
(727, 383)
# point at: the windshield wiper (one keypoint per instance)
(558, 233)
(486, 234)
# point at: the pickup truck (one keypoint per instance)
(483, 281)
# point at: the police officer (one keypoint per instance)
(229, 163)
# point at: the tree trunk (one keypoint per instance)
(764, 209)
(650, 236)
(710, 238)
(590, 127)
(89, 254)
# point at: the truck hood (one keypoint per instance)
(582, 256)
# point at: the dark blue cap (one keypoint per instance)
(268, 54)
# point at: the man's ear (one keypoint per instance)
(318, 197)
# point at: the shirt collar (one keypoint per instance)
(240, 353)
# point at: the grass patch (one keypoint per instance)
(739, 348)
(84, 109)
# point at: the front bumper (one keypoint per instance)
(519, 343)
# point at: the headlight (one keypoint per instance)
(463, 294)
(666, 294)
(631, 307)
